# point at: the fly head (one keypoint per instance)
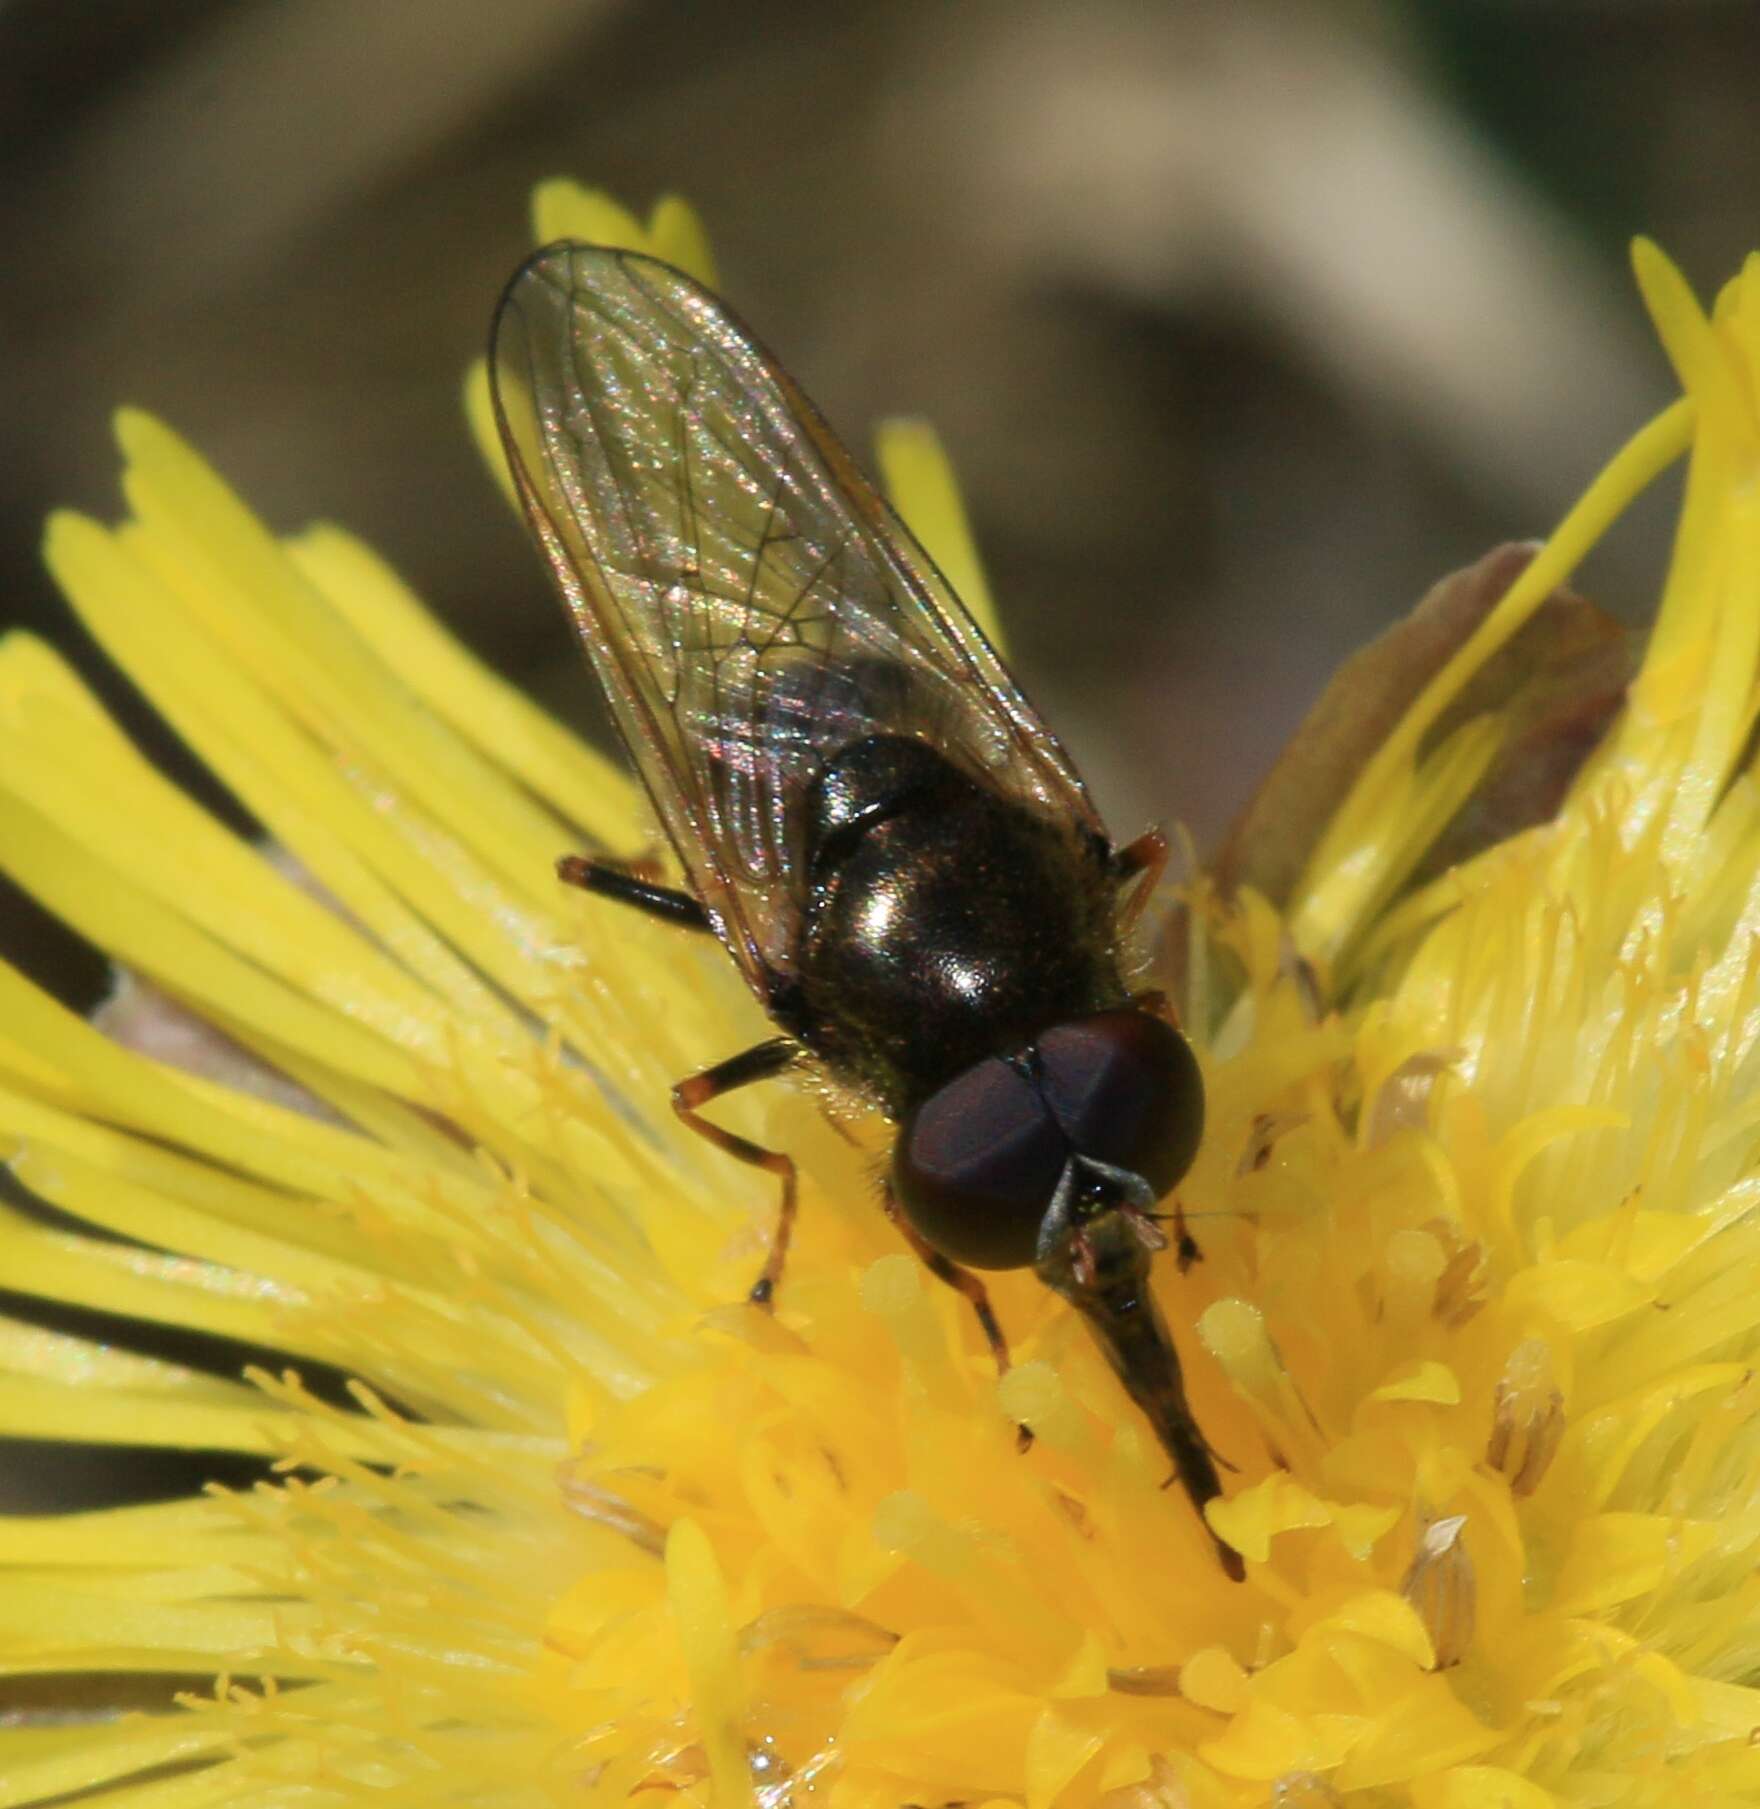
(1012, 1156)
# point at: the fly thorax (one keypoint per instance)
(945, 923)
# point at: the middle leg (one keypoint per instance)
(1144, 861)
(762, 1062)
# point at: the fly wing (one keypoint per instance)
(748, 602)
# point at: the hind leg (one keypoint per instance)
(964, 1282)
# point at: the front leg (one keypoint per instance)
(1185, 1246)
(762, 1062)
(1145, 857)
(962, 1281)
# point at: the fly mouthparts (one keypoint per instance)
(1101, 1267)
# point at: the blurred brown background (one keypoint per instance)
(1243, 320)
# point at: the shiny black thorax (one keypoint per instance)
(944, 922)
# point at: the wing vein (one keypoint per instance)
(750, 604)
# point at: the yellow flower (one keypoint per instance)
(1476, 1323)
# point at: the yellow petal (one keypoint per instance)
(920, 485)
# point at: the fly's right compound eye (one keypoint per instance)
(976, 1165)
(1126, 1089)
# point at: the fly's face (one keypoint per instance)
(1059, 1156)
(1010, 1158)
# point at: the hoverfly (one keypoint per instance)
(892, 846)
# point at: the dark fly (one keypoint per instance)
(892, 846)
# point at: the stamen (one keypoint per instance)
(1528, 1420)
(1234, 1333)
(1300, 972)
(1161, 1789)
(1267, 1128)
(1144, 1680)
(1303, 1790)
(1033, 1394)
(605, 1509)
(1216, 1680)
(1412, 1263)
(818, 1638)
(1441, 1586)
(1460, 1288)
(1402, 1101)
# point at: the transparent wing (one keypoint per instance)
(748, 602)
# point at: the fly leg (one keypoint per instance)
(1147, 856)
(609, 880)
(762, 1062)
(963, 1281)
(1185, 1246)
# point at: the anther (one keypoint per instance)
(1527, 1417)
(1442, 1588)
(1303, 1790)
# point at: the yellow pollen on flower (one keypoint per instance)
(548, 1515)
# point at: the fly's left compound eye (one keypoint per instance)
(976, 1165)
(1125, 1089)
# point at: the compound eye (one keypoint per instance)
(976, 1165)
(1125, 1089)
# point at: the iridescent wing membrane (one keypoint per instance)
(748, 602)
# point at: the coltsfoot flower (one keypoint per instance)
(1476, 1322)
